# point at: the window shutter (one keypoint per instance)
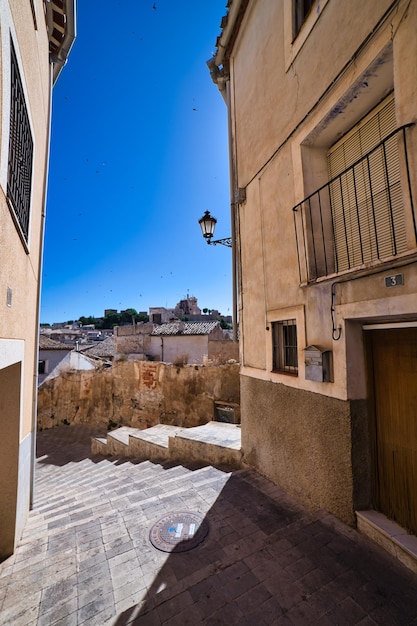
(367, 208)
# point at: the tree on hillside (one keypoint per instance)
(128, 316)
(111, 320)
(88, 320)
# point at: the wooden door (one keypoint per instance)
(393, 376)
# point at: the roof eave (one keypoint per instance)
(59, 56)
(219, 63)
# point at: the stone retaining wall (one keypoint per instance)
(137, 393)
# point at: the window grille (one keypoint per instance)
(284, 348)
(19, 180)
(359, 216)
(367, 204)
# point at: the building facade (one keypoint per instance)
(50, 354)
(176, 342)
(322, 106)
(35, 37)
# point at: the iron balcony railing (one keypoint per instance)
(362, 215)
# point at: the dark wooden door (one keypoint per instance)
(393, 373)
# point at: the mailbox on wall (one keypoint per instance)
(318, 364)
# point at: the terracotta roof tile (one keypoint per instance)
(46, 343)
(104, 348)
(185, 328)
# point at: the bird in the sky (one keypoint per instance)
(154, 7)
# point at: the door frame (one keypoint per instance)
(367, 339)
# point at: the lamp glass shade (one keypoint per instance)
(207, 223)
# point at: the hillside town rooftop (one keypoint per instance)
(185, 328)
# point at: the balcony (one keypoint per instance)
(360, 218)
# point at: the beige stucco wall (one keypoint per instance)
(286, 115)
(290, 101)
(138, 394)
(303, 442)
(20, 265)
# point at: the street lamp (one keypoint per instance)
(207, 224)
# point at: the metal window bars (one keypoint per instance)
(360, 216)
(284, 346)
(19, 181)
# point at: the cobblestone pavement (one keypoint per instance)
(85, 555)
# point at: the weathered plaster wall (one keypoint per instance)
(302, 441)
(138, 394)
(192, 349)
(133, 339)
(222, 351)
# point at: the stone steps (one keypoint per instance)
(152, 443)
(83, 494)
(214, 443)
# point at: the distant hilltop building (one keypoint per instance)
(185, 310)
(161, 315)
(187, 307)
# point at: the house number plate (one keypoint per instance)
(394, 281)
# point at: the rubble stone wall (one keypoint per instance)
(137, 393)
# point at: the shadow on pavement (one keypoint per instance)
(57, 446)
(268, 561)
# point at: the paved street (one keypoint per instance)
(85, 556)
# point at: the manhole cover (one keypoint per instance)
(178, 532)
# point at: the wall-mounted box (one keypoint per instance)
(318, 364)
(228, 412)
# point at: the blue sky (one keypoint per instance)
(138, 153)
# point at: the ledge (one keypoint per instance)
(390, 536)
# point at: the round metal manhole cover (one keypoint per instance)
(178, 532)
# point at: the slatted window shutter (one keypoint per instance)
(367, 208)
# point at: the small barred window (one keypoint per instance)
(285, 351)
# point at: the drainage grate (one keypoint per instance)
(179, 532)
